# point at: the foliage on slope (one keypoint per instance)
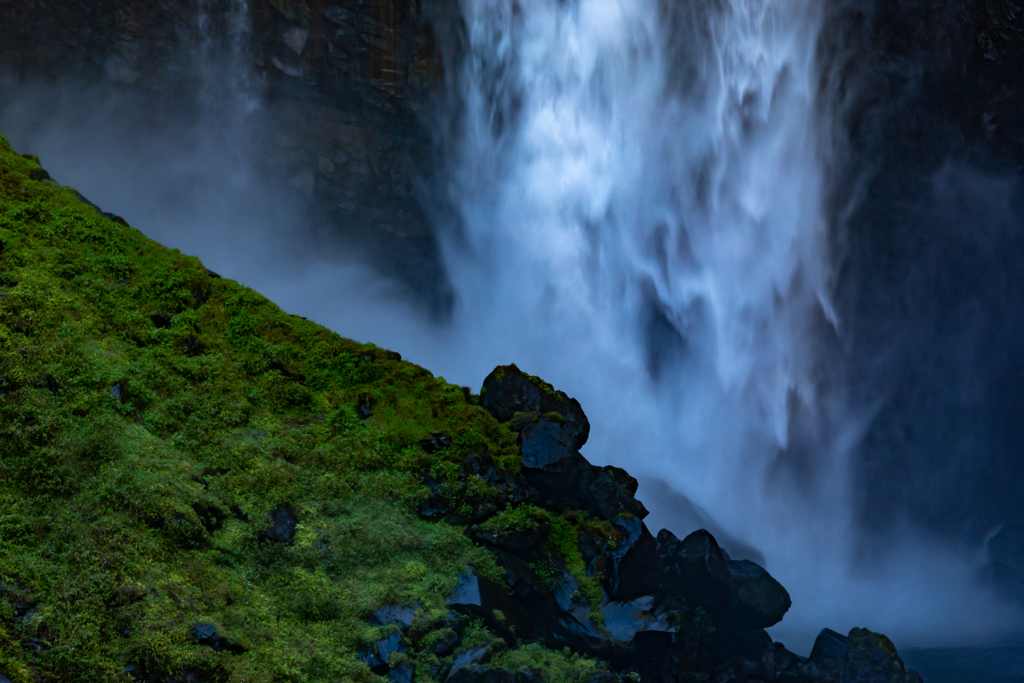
(153, 416)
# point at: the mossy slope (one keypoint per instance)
(141, 455)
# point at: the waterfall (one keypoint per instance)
(640, 190)
(650, 216)
(226, 88)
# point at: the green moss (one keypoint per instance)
(564, 539)
(128, 515)
(559, 666)
(522, 518)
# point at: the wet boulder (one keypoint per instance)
(761, 601)
(695, 570)
(282, 530)
(376, 654)
(669, 657)
(631, 566)
(397, 615)
(513, 540)
(525, 584)
(782, 659)
(478, 596)
(566, 616)
(403, 673)
(624, 620)
(548, 440)
(872, 658)
(469, 658)
(829, 645)
(508, 390)
(574, 484)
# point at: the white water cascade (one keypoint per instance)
(645, 228)
(640, 192)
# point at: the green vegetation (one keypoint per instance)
(152, 417)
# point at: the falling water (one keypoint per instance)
(658, 232)
(640, 191)
(226, 88)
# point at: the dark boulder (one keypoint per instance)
(631, 566)
(567, 616)
(829, 645)
(477, 596)
(403, 617)
(403, 673)
(443, 642)
(872, 658)
(624, 620)
(482, 674)
(469, 658)
(574, 484)
(4, 679)
(506, 489)
(525, 584)
(376, 654)
(38, 174)
(508, 390)
(515, 540)
(782, 659)
(548, 440)
(284, 520)
(761, 601)
(695, 570)
(662, 657)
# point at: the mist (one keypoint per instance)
(644, 223)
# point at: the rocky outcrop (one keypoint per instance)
(658, 607)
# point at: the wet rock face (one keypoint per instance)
(668, 608)
(508, 390)
(829, 645)
(695, 569)
(872, 658)
(761, 601)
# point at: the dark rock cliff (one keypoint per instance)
(340, 84)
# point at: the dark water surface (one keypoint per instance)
(967, 664)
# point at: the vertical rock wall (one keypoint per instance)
(341, 81)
